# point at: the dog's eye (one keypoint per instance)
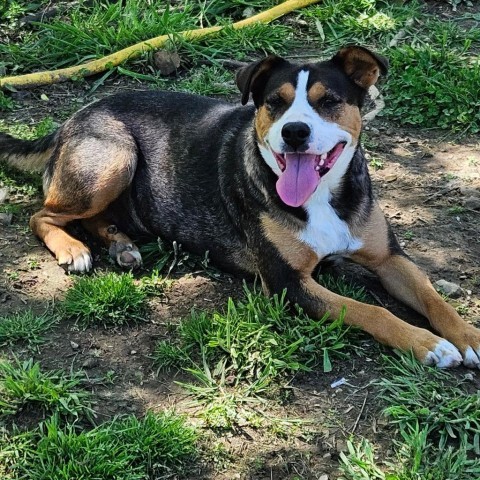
(329, 101)
(275, 102)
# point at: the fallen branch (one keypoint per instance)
(105, 63)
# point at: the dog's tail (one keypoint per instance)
(30, 155)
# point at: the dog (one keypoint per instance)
(268, 189)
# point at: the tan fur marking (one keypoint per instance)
(50, 229)
(316, 92)
(296, 253)
(287, 93)
(263, 123)
(350, 120)
(374, 237)
(33, 162)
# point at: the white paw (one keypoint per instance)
(80, 264)
(471, 358)
(444, 355)
(75, 259)
(126, 254)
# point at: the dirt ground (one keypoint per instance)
(429, 189)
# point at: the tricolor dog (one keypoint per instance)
(269, 189)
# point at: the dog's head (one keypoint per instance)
(308, 116)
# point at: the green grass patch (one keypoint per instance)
(29, 132)
(95, 29)
(247, 352)
(171, 258)
(109, 299)
(23, 384)
(438, 427)
(434, 87)
(126, 448)
(25, 327)
(345, 287)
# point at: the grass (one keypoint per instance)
(102, 28)
(434, 86)
(159, 445)
(23, 384)
(109, 299)
(22, 185)
(248, 351)
(165, 258)
(343, 286)
(438, 427)
(25, 327)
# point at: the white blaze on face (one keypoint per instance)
(301, 175)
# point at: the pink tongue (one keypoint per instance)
(299, 179)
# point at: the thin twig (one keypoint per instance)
(360, 414)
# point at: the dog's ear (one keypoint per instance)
(254, 76)
(361, 65)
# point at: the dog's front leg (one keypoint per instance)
(377, 321)
(406, 282)
(284, 262)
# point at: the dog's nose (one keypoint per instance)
(295, 134)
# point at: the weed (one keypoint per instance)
(155, 284)
(23, 384)
(430, 396)
(456, 210)
(376, 163)
(245, 352)
(6, 103)
(29, 132)
(344, 287)
(359, 463)
(168, 355)
(20, 183)
(25, 327)
(109, 299)
(439, 435)
(408, 235)
(126, 448)
(433, 86)
(169, 259)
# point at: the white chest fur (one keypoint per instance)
(325, 232)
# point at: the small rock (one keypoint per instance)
(74, 345)
(91, 362)
(133, 352)
(6, 218)
(449, 288)
(3, 195)
(166, 62)
(469, 377)
(323, 477)
(472, 202)
(390, 178)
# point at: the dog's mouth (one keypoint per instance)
(302, 173)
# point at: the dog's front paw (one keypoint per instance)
(126, 254)
(467, 340)
(75, 258)
(443, 355)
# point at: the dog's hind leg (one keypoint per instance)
(120, 247)
(88, 174)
